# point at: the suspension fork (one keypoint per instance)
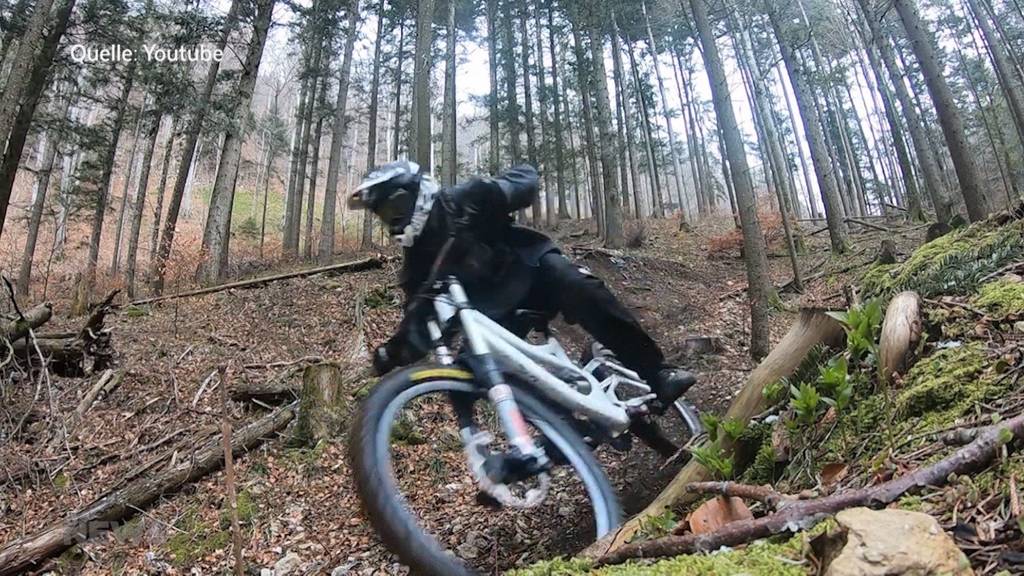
(484, 366)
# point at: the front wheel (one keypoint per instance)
(412, 476)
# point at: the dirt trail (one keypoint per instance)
(301, 501)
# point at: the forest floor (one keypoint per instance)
(297, 505)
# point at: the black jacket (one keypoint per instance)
(492, 257)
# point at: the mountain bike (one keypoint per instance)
(513, 415)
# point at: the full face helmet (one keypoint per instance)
(400, 195)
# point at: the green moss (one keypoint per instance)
(858, 430)
(762, 558)
(946, 384)
(951, 264)
(194, 539)
(762, 470)
(246, 507)
(1001, 298)
(135, 312)
(878, 279)
(913, 503)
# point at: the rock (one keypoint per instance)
(287, 565)
(1019, 326)
(890, 541)
(345, 569)
(467, 551)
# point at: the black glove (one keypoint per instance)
(382, 361)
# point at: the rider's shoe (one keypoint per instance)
(669, 384)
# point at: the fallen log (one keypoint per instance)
(15, 329)
(105, 385)
(812, 327)
(67, 353)
(108, 511)
(354, 266)
(901, 331)
(802, 514)
(868, 225)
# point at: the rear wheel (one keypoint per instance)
(412, 477)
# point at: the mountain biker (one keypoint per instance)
(502, 266)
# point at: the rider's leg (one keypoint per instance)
(585, 300)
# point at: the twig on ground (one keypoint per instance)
(805, 513)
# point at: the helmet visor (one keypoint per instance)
(396, 209)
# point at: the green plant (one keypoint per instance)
(862, 325)
(711, 456)
(733, 428)
(805, 401)
(249, 228)
(659, 525)
(710, 423)
(836, 383)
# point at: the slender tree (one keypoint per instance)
(188, 149)
(339, 123)
(946, 108)
(759, 287)
(421, 84)
(217, 232)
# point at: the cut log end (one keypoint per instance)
(901, 332)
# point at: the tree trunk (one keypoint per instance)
(556, 98)
(129, 171)
(21, 72)
(338, 127)
(811, 329)
(1001, 62)
(753, 242)
(84, 289)
(688, 127)
(139, 204)
(309, 126)
(494, 151)
(293, 198)
(776, 159)
(187, 151)
(314, 169)
(914, 207)
(612, 201)
(548, 145)
(531, 138)
(511, 99)
(620, 121)
(584, 76)
(449, 149)
(925, 157)
(421, 84)
(217, 232)
(52, 142)
(816, 142)
(677, 173)
(34, 89)
(161, 188)
(645, 117)
(949, 115)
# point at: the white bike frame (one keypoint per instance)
(546, 367)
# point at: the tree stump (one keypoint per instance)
(323, 405)
(887, 252)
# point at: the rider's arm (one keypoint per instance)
(487, 202)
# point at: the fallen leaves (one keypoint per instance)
(718, 512)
